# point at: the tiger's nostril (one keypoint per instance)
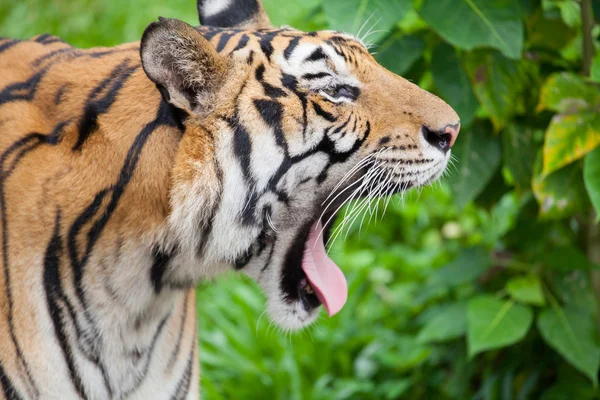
(442, 139)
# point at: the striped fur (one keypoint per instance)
(125, 179)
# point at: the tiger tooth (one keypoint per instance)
(308, 289)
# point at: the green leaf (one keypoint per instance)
(478, 157)
(573, 335)
(519, 150)
(405, 353)
(493, 323)
(526, 289)
(542, 26)
(469, 24)
(368, 19)
(295, 13)
(398, 53)
(574, 289)
(452, 83)
(449, 323)
(501, 85)
(503, 216)
(467, 267)
(560, 194)
(570, 385)
(568, 258)
(591, 178)
(568, 93)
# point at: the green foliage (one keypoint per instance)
(526, 289)
(494, 323)
(574, 336)
(478, 156)
(478, 288)
(469, 24)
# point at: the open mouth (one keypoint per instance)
(311, 276)
(325, 282)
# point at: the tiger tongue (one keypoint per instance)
(325, 277)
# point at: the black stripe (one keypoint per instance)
(20, 148)
(250, 59)
(272, 113)
(8, 44)
(318, 75)
(322, 113)
(58, 98)
(223, 40)
(266, 40)
(242, 43)
(116, 192)
(41, 38)
(54, 296)
(183, 387)
(211, 33)
(175, 352)
(24, 91)
(316, 55)
(10, 392)
(52, 54)
(339, 128)
(95, 105)
(287, 53)
(142, 377)
(46, 39)
(236, 13)
(270, 90)
(159, 267)
(77, 53)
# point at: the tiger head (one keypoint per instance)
(283, 127)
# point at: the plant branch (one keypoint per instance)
(593, 252)
(587, 21)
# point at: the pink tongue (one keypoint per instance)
(325, 277)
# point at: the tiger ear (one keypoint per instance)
(247, 14)
(185, 67)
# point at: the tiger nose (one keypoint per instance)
(443, 139)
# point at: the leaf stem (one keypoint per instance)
(587, 22)
(593, 252)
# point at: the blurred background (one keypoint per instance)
(485, 286)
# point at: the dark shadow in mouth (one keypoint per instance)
(294, 283)
(308, 298)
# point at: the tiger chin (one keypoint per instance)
(129, 174)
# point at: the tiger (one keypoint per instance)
(129, 174)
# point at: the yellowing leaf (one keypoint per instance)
(570, 137)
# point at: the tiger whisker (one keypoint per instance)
(270, 222)
(362, 163)
(363, 25)
(249, 200)
(353, 210)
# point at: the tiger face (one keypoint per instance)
(283, 127)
